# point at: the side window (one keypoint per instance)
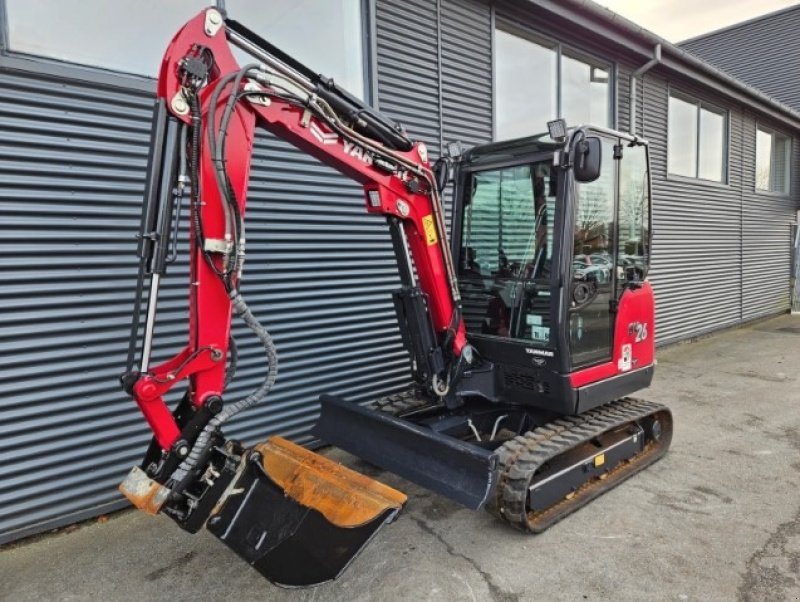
(506, 251)
(634, 216)
(773, 161)
(593, 265)
(697, 139)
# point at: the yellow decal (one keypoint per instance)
(599, 460)
(430, 230)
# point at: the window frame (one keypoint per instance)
(98, 74)
(772, 132)
(701, 104)
(560, 49)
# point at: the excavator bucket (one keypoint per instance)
(298, 517)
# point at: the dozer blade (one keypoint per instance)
(463, 472)
(298, 517)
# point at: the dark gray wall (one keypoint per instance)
(722, 252)
(72, 161)
(763, 52)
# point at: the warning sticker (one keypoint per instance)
(430, 230)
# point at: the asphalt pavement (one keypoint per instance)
(717, 519)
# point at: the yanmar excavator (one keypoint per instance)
(525, 334)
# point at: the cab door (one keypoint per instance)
(592, 273)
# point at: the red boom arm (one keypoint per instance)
(407, 193)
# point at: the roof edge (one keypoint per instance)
(642, 41)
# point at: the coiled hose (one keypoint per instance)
(199, 449)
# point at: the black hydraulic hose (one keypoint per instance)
(194, 172)
(367, 120)
(219, 167)
(194, 176)
(219, 163)
(233, 360)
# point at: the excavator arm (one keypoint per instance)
(203, 90)
(203, 131)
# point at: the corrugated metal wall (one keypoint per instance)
(466, 39)
(766, 236)
(408, 74)
(721, 252)
(697, 266)
(72, 161)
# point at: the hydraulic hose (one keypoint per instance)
(200, 446)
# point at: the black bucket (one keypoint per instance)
(298, 518)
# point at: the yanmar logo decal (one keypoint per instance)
(324, 137)
(350, 148)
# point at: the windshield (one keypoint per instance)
(506, 251)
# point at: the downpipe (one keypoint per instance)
(635, 76)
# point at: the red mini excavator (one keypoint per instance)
(525, 333)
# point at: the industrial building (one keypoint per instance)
(76, 93)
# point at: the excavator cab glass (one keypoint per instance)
(507, 241)
(547, 236)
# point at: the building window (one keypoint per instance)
(131, 35)
(536, 81)
(325, 35)
(697, 140)
(773, 151)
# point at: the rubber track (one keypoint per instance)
(399, 403)
(521, 457)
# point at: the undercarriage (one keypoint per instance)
(529, 468)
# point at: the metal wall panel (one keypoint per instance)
(696, 269)
(466, 41)
(408, 73)
(72, 162)
(466, 76)
(763, 52)
(766, 236)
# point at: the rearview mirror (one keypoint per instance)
(441, 172)
(588, 159)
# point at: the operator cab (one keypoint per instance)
(548, 236)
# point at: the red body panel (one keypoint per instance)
(633, 346)
(203, 361)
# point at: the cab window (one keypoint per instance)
(593, 265)
(506, 251)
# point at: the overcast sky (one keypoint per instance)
(677, 20)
